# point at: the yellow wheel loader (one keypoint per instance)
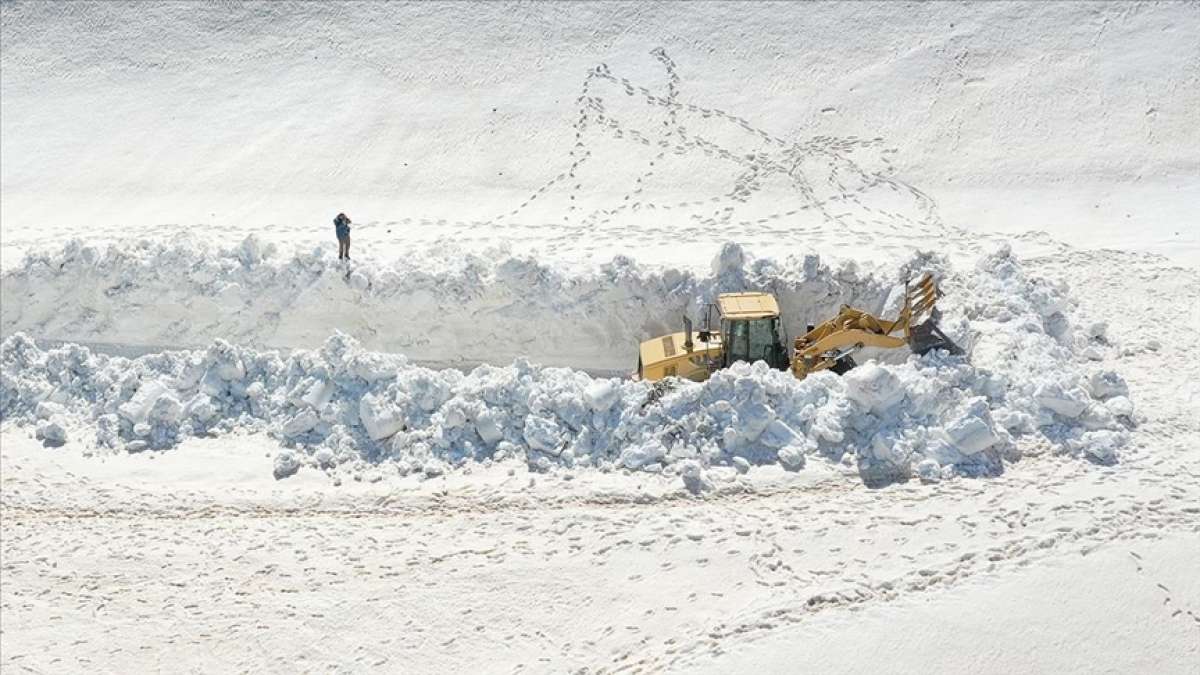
(748, 328)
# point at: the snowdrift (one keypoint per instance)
(1029, 385)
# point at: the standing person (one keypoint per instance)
(342, 225)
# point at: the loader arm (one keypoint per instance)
(834, 341)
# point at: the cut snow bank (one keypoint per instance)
(342, 406)
(443, 306)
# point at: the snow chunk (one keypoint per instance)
(47, 409)
(972, 430)
(929, 471)
(1068, 403)
(543, 434)
(874, 387)
(692, 474)
(317, 394)
(286, 464)
(53, 430)
(602, 394)
(379, 417)
(138, 408)
(226, 364)
(201, 408)
(1120, 406)
(792, 457)
(1101, 446)
(300, 424)
(642, 455)
(1106, 384)
(778, 435)
(166, 410)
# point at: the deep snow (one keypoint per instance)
(445, 305)
(535, 187)
(1028, 384)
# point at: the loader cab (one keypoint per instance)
(751, 330)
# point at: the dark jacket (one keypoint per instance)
(342, 225)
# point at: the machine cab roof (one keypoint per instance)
(747, 306)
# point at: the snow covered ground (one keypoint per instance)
(220, 449)
(429, 122)
(148, 561)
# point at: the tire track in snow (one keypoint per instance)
(682, 570)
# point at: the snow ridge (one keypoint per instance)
(1026, 387)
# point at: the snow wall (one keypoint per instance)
(1031, 383)
(439, 306)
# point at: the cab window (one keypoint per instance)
(756, 340)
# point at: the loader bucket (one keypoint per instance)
(927, 336)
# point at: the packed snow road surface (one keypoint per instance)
(141, 562)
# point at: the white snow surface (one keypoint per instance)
(1025, 386)
(199, 472)
(588, 129)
